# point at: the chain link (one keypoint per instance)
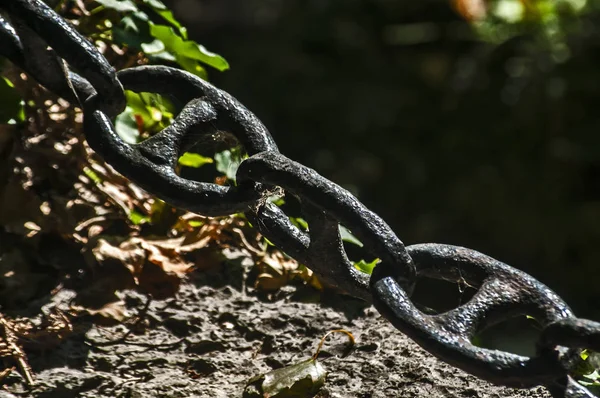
(45, 46)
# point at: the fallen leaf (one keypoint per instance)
(108, 314)
(303, 379)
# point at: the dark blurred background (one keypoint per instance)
(468, 122)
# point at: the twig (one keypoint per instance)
(15, 351)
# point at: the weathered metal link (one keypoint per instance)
(68, 44)
(151, 163)
(27, 27)
(325, 204)
(321, 250)
(503, 292)
(572, 332)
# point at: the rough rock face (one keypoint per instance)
(217, 333)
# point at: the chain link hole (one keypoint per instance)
(448, 295)
(359, 256)
(214, 158)
(145, 115)
(517, 335)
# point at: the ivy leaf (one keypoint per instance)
(133, 30)
(228, 161)
(347, 236)
(138, 218)
(300, 223)
(192, 66)
(161, 9)
(156, 4)
(126, 126)
(119, 5)
(154, 47)
(186, 48)
(366, 267)
(189, 159)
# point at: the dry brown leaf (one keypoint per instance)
(167, 259)
(128, 254)
(276, 270)
(108, 314)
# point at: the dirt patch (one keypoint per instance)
(217, 332)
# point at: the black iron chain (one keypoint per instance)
(45, 46)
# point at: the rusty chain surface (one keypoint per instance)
(44, 45)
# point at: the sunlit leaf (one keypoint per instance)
(303, 379)
(348, 237)
(119, 5)
(168, 16)
(366, 267)
(153, 47)
(277, 200)
(189, 159)
(228, 161)
(91, 174)
(126, 126)
(300, 223)
(137, 218)
(187, 48)
(585, 354)
(156, 4)
(192, 66)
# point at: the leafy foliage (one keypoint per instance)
(588, 371)
(149, 26)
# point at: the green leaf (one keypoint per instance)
(11, 104)
(91, 174)
(155, 111)
(119, 5)
(156, 4)
(348, 237)
(137, 218)
(155, 46)
(277, 200)
(192, 66)
(366, 267)
(126, 126)
(186, 48)
(189, 159)
(300, 223)
(133, 30)
(303, 379)
(228, 161)
(168, 16)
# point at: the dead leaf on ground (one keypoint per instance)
(108, 314)
(303, 379)
(275, 270)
